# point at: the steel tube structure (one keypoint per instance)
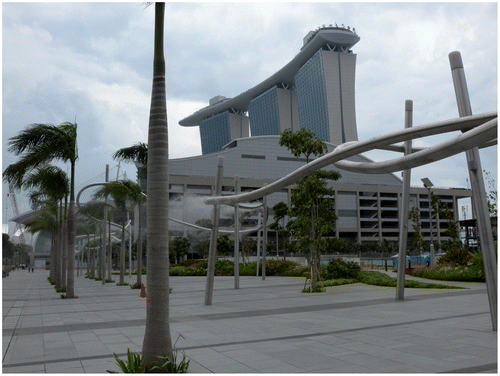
(213, 235)
(405, 203)
(485, 128)
(236, 235)
(478, 188)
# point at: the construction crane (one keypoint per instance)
(13, 201)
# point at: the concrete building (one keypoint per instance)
(367, 205)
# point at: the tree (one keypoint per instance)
(302, 142)
(417, 239)
(137, 153)
(280, 211)
(202, 248)
(180, 246)
(126, 194)
(224, 245)
(48, 186)
(157, 339)
(492, 194)
(37, 145)
(311, 207)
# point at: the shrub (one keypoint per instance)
(176, 271)
(224, 267)
(299, 271)
(278, 267)
(135, 364)
(197, 271)
(382, 279)
(249, 269)
(469, 273)
(337, 268)
(188, 263)
(455, 256)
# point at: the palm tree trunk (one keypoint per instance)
(64, 266)
(70, 286)
(122, 254)
(139, 252)
(157, 340)
(110, 252)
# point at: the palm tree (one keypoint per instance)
(157, 340)
(37, 145)
(123, 192)
(137, 153)
(50, 183)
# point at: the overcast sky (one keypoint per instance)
(93, 62)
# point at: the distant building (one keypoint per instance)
(315, 91)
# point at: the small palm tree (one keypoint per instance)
(125, 193)
(37, 145)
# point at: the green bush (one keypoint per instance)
(337, 268)
(278, 267)
(176, 270)
(455, 256)
(192, 272)
(224, 267)
(135, 364)
(382, 279)
(249, 269)
(188, 262)
(299, 271)
(469, 273)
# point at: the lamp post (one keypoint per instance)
(428, 184)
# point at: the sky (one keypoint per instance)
(92, 62)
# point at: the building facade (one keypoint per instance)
(367, 207)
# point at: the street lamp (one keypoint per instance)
(428, 184)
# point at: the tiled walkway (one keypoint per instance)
(265, 326)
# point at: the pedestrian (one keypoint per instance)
(29, 267)
(32, 269)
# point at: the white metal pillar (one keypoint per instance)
(405, 210)
(213, 235)
(478, 188)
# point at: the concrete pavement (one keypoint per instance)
(266, 326)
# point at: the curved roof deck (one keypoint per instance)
(333, 36)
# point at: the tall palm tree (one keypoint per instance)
(124, 193)
(39, 144)
(49, 183)
(157, 340)
(137, 153)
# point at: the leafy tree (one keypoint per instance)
(202, 248)
(179, 247)
(492, 194)
(7, 246)
(301, 142)
(157, 339)
(224, 245)
(444, 212)
(311, 208)
(417, 239)
(37, 145)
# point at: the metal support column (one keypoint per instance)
(478, 188)
(237, 235)
(405, 209)
(213, 235)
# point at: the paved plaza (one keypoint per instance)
(265, 326)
